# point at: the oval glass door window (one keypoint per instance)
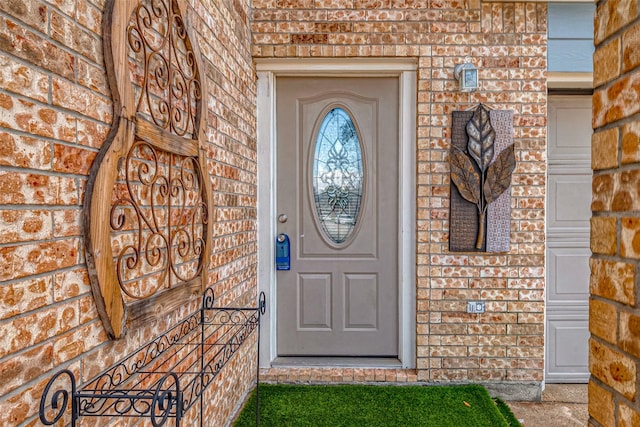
(338, 175)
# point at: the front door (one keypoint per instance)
(337, 201)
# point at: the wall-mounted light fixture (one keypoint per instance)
(467, 75)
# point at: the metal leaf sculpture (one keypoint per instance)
(481, 138)
(465, 176)
(499, 174)
(483, 182)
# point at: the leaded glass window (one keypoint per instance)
(338, 175)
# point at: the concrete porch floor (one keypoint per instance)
(562, 405)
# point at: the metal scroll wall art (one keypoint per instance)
(147, 211)
(482, 161)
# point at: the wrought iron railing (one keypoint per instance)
(164, 378)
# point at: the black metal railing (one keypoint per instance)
(164, 378)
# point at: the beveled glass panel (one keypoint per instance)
(337, 175)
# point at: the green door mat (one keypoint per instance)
(369, 405)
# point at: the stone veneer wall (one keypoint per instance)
(507, 42)
(614, 312)
(55, 113)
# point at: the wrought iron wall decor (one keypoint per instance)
(482, 160)
(163, 379)
(147, 211)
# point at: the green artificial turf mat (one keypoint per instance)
(506, 413)
(368, 405)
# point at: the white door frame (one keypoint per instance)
(405, 70)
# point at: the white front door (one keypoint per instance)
(568, 213)
(337, 201)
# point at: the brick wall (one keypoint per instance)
(55, 113)
(507, 42)
(614, 316)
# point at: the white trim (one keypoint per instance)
(567, 80)
(333, 67)
(266, 118)
(405, 70)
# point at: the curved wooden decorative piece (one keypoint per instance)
(147, 211)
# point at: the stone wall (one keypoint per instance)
(55, 113)
(507, 42)
(614, 314)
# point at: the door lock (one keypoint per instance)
(282, 218)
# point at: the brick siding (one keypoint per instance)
(614, 316)
(507, 42)
(55, 114)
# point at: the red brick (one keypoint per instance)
(17, 40)
(230, 148)
(91, 133)
(18, 188)
(89, 16)
(18, 78)
(78, 98)
(33, 14)
(68, 33)
(25, 152)
(24, 225)
(19, 370)
(21, 297)
(37, 258)
(78, 341)
(70, 284)
(92, 77)
(72, 160)
(37, 120)
(68, 223)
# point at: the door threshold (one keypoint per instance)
(336, 362)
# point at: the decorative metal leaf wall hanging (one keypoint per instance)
(499, 174)
(465, 176)
(479, 178)
(481, 137)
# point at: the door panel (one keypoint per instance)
(570, 269)
(361, 301)
(568, 213)
(569, 198)
(314, 291)
(565, 338)
(340, 297)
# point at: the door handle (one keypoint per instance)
(283, 252)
